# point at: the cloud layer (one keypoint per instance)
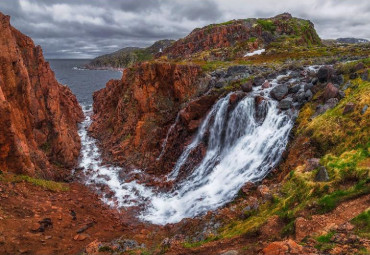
(85, 29)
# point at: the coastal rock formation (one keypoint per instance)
(238, 36)
(38, 131)
(132, 115)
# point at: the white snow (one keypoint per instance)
(256, 52)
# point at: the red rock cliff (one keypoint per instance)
(38, 116)
(132, 116)
(234, 38)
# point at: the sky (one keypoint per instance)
(89, 28)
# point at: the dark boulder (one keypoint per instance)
(285, 104)
(325, 74)
(294, 89)
(247, 87)
(233, 70)
(258, 81)
(308, 86)
(365, 75)
(322, 175)
(220, 83)
(279, 92)
(348, 108)
(308, 95)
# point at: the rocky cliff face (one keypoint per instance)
(132, 116)
(38, 131)
(234, 38)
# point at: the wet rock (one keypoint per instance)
(266, 85)
(294, 89)
(299, 97)
(247, 87)
(220, 83)
(279, 92)
(308, 95)
(258, 100)
(218, 73)
(348, 108)
(258, 81)
(325, 73)
(337, 79)
(363, 110)
(322, 175)
(285, 104)
(248, 187)
(308, 86)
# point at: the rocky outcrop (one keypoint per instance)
(238, 36)
(38, 131)
(133, 115)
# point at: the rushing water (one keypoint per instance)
(243, 144)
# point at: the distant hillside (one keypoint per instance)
(234, 38)
(127, 56)
(352, 40)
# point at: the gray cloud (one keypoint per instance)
(85, 29)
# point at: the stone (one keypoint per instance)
(348, 108)
(294, 89)
(347, 85)
(220, 83)
(325, 74)
(285, 104)
(353, 76)
(330, 92)
(266, 85)
(308, 95)
(232, 252)
(247, 87)
(247, 187)
(322, 175)
(312, 164)
(232, 70)
(80, 237)
(258, 81)
(364, 109)
(308, 86)
(283, 247)
(264, 192)
(365, 75)
(279, 92)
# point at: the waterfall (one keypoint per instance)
(243, 143)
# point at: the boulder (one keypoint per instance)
(233, 70)
(330, 92)
(348, 108)
(266, 85)
(322, 175)
(285, 104)
(308, 86)
(365, 75)
(330, 104)
(279, 92)
(264, 192)
(294, 89)
(284, 247)
(363, 110)
(258, 81)
(325, 74)
(247, 87)
(220, 83)
(308, 95)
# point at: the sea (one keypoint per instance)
(83, 82)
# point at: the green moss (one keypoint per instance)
(267, 24)
(362, 224)
(105, 249)
(49, 185)
(330, 202)
(200, 243)
(325, 238)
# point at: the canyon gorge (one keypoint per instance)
(244, 137)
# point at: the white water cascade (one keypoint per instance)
(243, 144)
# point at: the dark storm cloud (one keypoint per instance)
(87, 28)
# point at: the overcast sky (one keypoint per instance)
(88, 28)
